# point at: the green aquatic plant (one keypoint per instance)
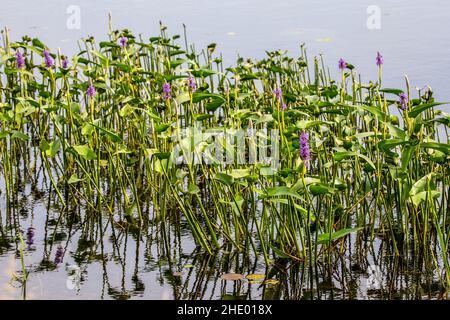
(268, 156)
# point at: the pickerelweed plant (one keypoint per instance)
(109, 126)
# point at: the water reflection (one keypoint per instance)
(76, 254)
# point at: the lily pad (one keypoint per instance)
(232, 276)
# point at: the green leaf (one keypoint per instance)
(325, 238)
(421, 108)
(176, 63)
(306, 124)
(202, 116)
(392, 91)
(182, 98)
(240, 173)
(161, 155)
(320, 188)
(38, 43)
(406, 155)
(104, 59)
(85, 152)
(224, 178)
(396, 132)
(267, 171)
(387, 145)
(162, 127)
(19, 135)
(74, 179)
(109, 134)
(249, 76)
(87, 130)
(193, 189)
(421, 184)
(199, 96)
(339, 156)
(108, 44)
(375, 111)
(4, 134)
(214, 104)
(424, 196)
(442, 147)
(203, 72)
(279, 253)
(280, 191)
(54, 148)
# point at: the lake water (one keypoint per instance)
(413, 35)
(413, 39)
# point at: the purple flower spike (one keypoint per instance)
(166, 91)
(48, 59)
(20, 60)
(342, 64)
(65, 63)
(30, 236)
(59, 255)
(123, 41)
(305, 153)
(379, 59)
(403, 100)
(278, 93)
(192, 84)
(91, 91)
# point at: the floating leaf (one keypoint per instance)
(255, 277)
(232, 276)
(271, 282)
